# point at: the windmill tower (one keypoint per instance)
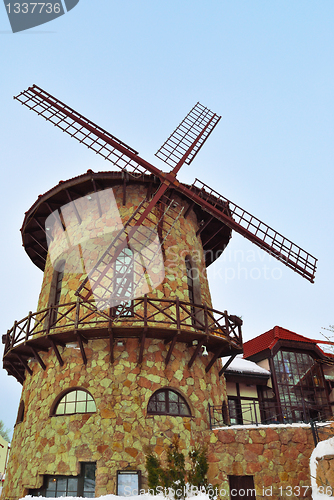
(124, 348)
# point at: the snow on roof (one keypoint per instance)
(244, 366)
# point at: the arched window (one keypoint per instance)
(75, 401)
(168, 402)
(20, 413)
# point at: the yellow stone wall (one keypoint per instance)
(116, 434)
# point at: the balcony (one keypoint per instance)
(168, 320)
(253, 412)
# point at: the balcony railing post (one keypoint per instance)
(178, 320)
(77, 314)
(28, 327)
(13, 335)
(145, 310)
(255, 413)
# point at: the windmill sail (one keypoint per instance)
(181, 147)
(200, 120)
(256, 231)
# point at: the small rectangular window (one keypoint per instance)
(82, 485)
(128, 482)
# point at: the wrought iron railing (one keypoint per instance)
(145, 312)
(255, 413)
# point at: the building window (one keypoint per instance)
(235, 411)
(57, 284)
(194, 292)
(242, 487)
(75, 401)
(190, 279)
(301, 387)
(168, 402)
(243, 410)
(69, 486)
(128, 482)
(123, 289)
(20, 413)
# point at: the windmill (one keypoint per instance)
(181, 147)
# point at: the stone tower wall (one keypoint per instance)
(115, 436)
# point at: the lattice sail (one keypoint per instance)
(258, 232)
(200, 120)
(81, 129)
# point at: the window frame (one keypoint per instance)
(167, 390)
(20, 413)
(56, 288)
(288, 364)
(80, 478)
(128, 472)
(63, 394)
(124, 308)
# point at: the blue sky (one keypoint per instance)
(136, 68)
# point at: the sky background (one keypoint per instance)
(136, 67)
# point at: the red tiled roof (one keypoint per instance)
(269, 339)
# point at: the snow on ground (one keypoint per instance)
(322, 449)
(146, 496)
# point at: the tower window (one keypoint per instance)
(190, 279)
(123, 282)
(194, 292)
(75, 401)
(168, 402)
(20, 413)
(57, 284)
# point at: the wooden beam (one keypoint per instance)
(16, 373)
(212, 236)
(57, 353)
(227, 364)
(24, 363)
(82, 349)
(204, 226)
(75, 208)
(214, 358)
(190, 206)
(124, 188)
(196, 352)
(36, 346)
(38, 358)
(171, 347)
(142, 345)
(97, 197)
